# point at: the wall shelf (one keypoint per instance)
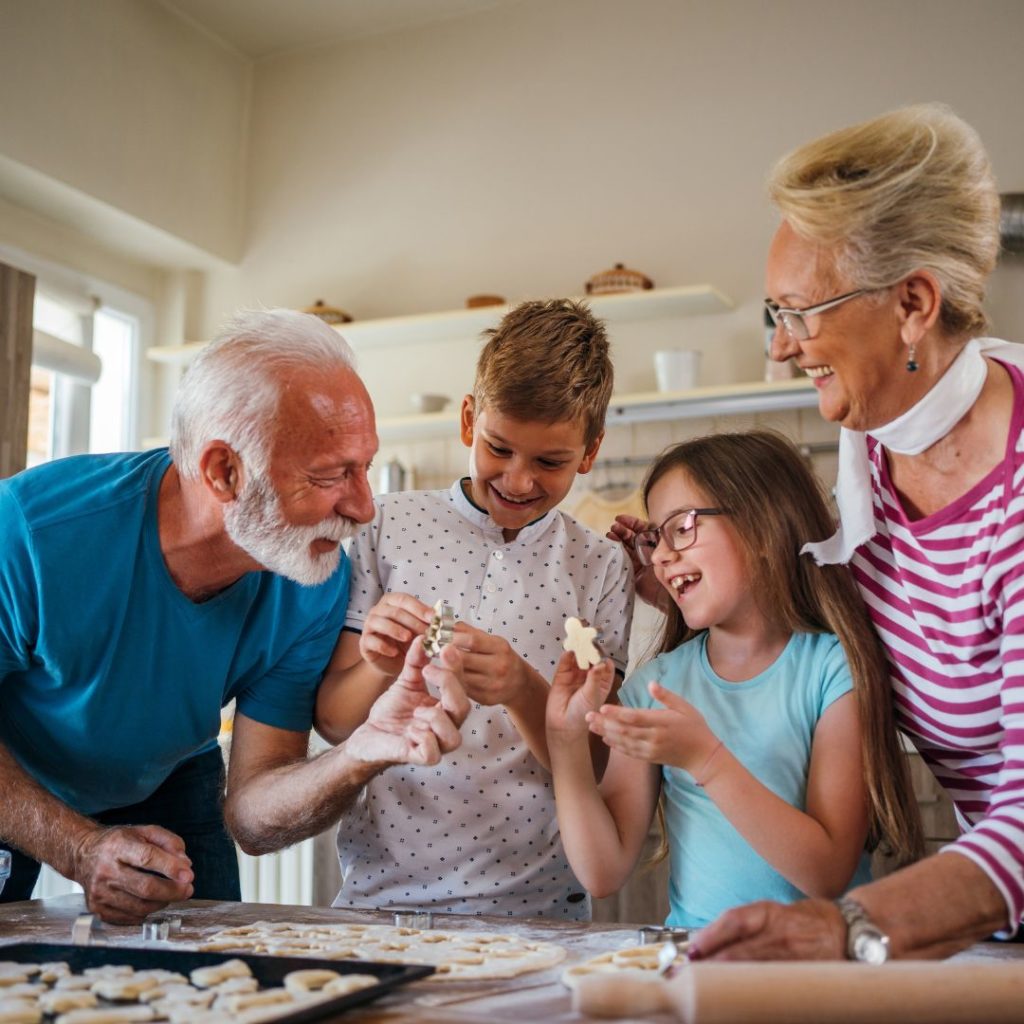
(455, 325)
(645, 407)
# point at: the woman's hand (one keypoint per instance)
(675, 735)
(574, 694)
(806, 930)
(624, 530)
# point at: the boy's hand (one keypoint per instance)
(624, 530)
(676, 735)
(494, 673)
(393, 623)
(574, 693)
(406, 725)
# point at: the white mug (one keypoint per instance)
(677, 369)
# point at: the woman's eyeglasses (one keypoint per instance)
(678, 532)
(793, 320)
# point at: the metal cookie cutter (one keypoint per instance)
(84, 929)
(441, 630)
(412, 918)
(159, 928)
(583, 640)
(674, 943)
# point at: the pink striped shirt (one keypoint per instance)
(946, 594)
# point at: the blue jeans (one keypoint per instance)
(187, 803)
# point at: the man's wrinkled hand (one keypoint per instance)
(407, 724)
(132, 871)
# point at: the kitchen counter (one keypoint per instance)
(537, 996)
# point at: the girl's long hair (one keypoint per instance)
(776, 505)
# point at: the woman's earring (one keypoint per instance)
(911, 359)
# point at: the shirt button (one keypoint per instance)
(499, 555)
(491, 588)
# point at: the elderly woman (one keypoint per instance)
(875, 281)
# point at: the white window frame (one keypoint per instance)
(86, 294)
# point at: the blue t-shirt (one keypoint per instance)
(109, 675)
(768, 724)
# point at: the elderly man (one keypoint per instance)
(139, 593)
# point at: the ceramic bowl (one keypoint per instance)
(423, 402)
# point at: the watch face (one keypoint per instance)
(871, 947)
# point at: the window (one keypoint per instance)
(87, 345)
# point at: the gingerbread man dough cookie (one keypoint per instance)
(581, 639)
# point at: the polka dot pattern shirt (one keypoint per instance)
(477, 833)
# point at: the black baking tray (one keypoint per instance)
(267, 970)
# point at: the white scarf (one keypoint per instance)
(911, 433)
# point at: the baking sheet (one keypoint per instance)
(267, 970)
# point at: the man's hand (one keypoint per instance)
(130, 872)
(406, 725)
(574, 693)
(676, 735)
(806, 930)
(392, 625)
(624, 530)
(494, 673)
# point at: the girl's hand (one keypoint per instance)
(575, 693)
(624, 530)
(676, 735)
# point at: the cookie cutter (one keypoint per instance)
(650, 934)
(84, 929)
(160, 928)
(441, 630)
(584, 641)
(411, 918)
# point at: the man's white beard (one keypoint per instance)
(255, 523)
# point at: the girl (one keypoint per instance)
(765, 724)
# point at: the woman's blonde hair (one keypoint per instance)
(912, 189)
(776, 504)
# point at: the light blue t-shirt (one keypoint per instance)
(768, 724)
(109, 675)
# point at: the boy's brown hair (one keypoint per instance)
(547, 361)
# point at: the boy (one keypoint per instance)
(477, 834)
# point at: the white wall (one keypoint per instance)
(522, 149)
(130, 107)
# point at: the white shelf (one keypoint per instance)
(455, 325)
(645, 407)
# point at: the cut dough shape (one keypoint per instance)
(346, 984)
(207, 977)
(642, 960)
(108, 1015)
(61, 1002)
(308, 981)
(123, 990)
(580, 638)
(456, 955)
(19, 1011)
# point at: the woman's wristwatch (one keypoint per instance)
(865, 941)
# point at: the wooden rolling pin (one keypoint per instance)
(914, 992)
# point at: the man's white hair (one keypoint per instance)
(231, 391)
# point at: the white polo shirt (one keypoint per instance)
(477, 833)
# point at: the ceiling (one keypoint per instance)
(261, 28)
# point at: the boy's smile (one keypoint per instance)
(521, 469)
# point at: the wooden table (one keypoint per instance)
(538, 996)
